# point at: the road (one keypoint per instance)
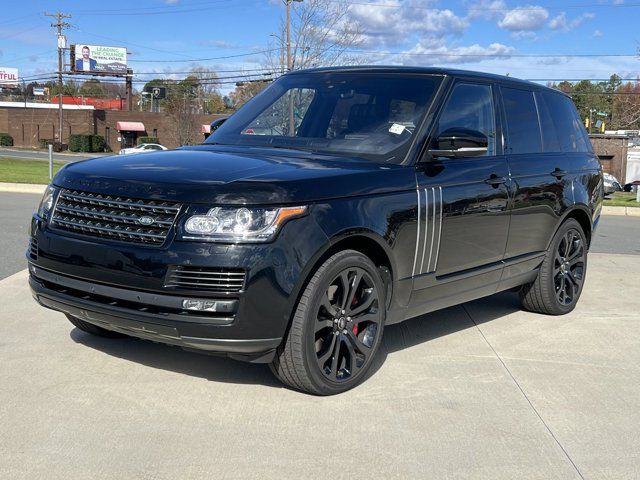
(43, 155)
(614, 235)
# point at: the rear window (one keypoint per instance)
(523, 128)
(571, 134)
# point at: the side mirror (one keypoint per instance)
(459, 143)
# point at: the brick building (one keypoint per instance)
(120, 129)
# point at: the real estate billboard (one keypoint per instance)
(99, 59)
(8, 76)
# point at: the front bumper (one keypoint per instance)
(122, 287)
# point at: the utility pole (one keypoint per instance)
(287, 4)
(62, 44)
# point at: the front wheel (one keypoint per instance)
(559, 284)
(336, 329)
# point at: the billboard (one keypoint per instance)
(99, 59)
(8, 76)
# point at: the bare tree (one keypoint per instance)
(322, 34)
(626, 106)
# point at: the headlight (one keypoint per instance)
(46, 204)
(238, 225)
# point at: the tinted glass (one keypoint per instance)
(371, 116)
(470, 106)
(523, 129)
(550, 142)
(571, 134)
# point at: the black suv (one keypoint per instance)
(335, 202)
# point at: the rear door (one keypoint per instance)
(541, 172)
(464, 217)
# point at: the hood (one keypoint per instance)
(224, 175)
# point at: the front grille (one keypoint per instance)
(224, 280)
(33, 248)
(114, 217)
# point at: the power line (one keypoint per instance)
(209, 58)
(492, 9)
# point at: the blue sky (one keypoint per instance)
(169, 36)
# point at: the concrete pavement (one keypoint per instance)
(482, 390)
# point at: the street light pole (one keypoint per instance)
(59, 25)
(287, 4)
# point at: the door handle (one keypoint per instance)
(559, 173)
(495, 180)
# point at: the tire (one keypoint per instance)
(329, 349)
(94, 329)
(560, 280)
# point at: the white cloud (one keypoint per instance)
(486, 9)
(597, 34)
(393, 23)
(170, 2)
(432, 52)
(527, 18)
(560, 22)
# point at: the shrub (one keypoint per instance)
(44, 143)
(148, 140)
(80, 143)
(97, 143)
(6, 140)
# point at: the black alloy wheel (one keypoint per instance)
(568, 267)
(336, 329)
(562, 274)
(347, 324)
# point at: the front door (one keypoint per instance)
(128, 139)
(464, 216)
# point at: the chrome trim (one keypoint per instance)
(435, 266)
(433, 230)
(84, 228)
(426, 226)
(415, 257)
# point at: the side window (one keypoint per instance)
(571, 134)
(523, 128)
(470, 106)
(275, 120)
(550, 141)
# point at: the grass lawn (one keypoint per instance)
(26, 171)
(621, 199)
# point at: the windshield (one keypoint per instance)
(367, 115)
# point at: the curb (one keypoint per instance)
(621, 211)
(22, 188)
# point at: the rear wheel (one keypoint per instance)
(336, 329)
(93, 329)
(559, 284)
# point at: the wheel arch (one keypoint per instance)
(580, 213)
(365, 241)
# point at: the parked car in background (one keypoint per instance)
(143, 148)
(611, 184)
(383, 194)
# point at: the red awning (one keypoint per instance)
(206, 128)
(130, 126)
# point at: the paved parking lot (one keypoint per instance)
(481, 390)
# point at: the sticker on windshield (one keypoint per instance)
(397, 129)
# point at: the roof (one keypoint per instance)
(425, 71)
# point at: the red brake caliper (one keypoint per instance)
(355, 327)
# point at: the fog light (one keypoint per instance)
(200, 305)
(206, 305)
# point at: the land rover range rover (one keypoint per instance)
(335, 202)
